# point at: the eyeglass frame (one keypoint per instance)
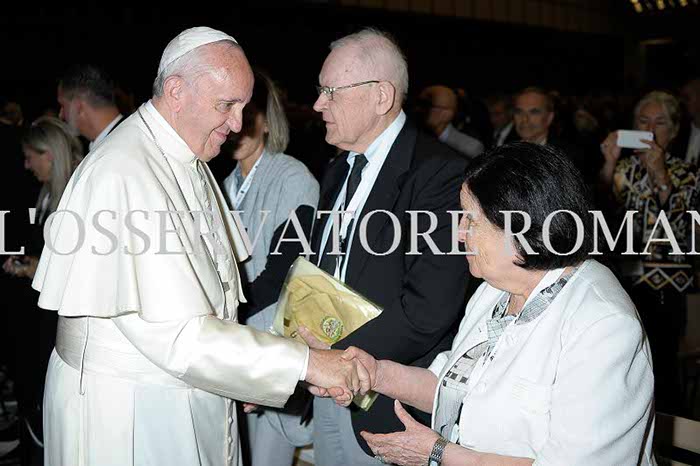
(328, 90)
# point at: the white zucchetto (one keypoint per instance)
(188, 40)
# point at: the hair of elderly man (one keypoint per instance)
(523, 176)
(51, 134)
(548, 100)
(91, 83)
(189, 66)
(380, 53)
(668, 103)
(267, 101)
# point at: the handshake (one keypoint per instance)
(338, 374)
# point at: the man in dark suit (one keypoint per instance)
(388, 170)
(533, 114)
(500, 107)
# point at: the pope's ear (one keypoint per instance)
(173, 91)
(387, 97)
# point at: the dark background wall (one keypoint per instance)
(291, 41)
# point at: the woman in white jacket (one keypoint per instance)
(551, 365)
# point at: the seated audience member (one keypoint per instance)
(533, 115)
(438, 107)
(653, 181)
(500, 108)
(268, 186)
(687, 144)
(550, 365)
(51, 153)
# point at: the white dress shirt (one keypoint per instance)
(376, 154)
(100, 137)
(501, 134)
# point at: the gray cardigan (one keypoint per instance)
(281, 184)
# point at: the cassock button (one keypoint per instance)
(230, 419)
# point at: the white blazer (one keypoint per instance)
(574, 386)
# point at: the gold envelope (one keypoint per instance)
(327, 307)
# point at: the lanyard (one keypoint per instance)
(243, 190)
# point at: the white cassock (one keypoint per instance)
(149, 355)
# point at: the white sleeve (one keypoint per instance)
(221, 357)
(602, 399)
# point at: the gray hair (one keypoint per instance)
(189, 66)
(668, 103)
(377, 50)
(49, 134)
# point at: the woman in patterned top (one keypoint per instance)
(550, 365)
(656, 184)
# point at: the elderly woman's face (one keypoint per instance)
(652, 117)
(491, 259)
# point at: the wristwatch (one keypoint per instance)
(435, 458)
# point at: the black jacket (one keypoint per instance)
(422, 296)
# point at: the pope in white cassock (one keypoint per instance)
(141, 267)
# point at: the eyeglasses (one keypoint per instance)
(328, 91)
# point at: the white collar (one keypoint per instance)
(105, 131)
(384, 141)
(171, 142)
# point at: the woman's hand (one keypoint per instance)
(611, 151)
(654, 160)
(21, 267)
(411, 447)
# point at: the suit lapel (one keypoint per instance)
(332, 182)
(383, 196)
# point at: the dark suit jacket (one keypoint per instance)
(422, 296)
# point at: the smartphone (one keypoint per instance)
(633, 139)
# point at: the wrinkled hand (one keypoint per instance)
(411, 447)
(611, 151)
(315, 343)
(327, 369)
(368, 362)
(330, 375)
(654, 160)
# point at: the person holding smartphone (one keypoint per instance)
(51, 153)
(652, 181)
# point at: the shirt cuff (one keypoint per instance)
(305, 367)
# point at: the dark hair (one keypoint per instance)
(499, 98)
(90, 82)
(548, 99)
(538, 180)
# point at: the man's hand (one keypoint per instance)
(331, 374)
(328, 370)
